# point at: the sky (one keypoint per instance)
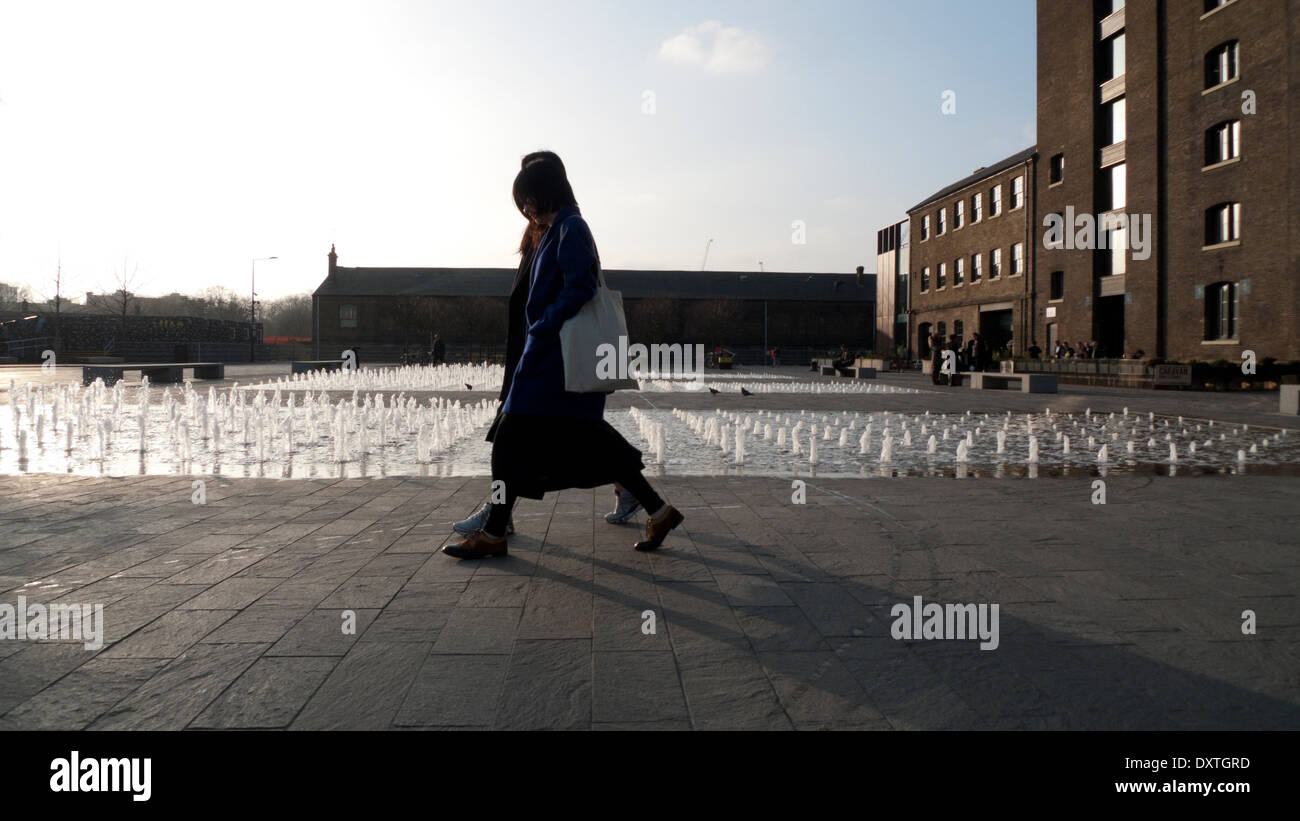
(175, 142)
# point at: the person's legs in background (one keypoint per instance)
(626, 505)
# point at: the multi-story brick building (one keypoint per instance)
(972, 258)
(1207, 156)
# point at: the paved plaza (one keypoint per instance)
(758, 613)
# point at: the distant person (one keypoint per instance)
(439, 350)
(1139, 353)
(844, 362)
(936, 358)
(954, 345)
(982, 353)
(1035, 352)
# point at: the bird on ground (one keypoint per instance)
(713, 390)
(469, 387)
(744, 392)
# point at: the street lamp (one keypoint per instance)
(252, 309)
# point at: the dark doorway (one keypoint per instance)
(995, 330)
(1108, 326)
(923, 332)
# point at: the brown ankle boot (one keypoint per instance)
(656, 531)
(478, 545)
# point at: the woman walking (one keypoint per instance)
(625, 504)
(547, 438)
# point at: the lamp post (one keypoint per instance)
(252, 309)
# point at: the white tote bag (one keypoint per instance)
(597, 324)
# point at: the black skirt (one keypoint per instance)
(534, 455)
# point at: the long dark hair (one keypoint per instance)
(532, 231)
(545, 186)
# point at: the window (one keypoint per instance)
(1058, 286)
(1117, 242)
(1057, 169)
(975, 271)
(1223, 142)
(1113, 123)
(1112, 188)
(347, 316)
(1017, 258)
(1223, 223)
(1017, 192)
(958, 272)
(1221, 64)
(925, 227)
(1221, 311)
(976, 208)
(995, 200)
(995, 263)
(1112, 57)
(958, 330)
(925, 279)
(942, 222)
(943, 331)
(943, 275)
(958, 214)
(1211, 5)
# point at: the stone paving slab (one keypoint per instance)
(766, 615)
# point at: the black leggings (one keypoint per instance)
(634, 483)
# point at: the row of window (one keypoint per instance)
(1017, 186)
(1221, 62)
(1220, 307)
(976, 268)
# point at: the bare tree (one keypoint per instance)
(289, 316)
(120, 300)
(220, 302)
(57, 303)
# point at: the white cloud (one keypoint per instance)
(716, 47)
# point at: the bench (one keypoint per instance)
(1025, 382)
(307, 366)
(864, 373)
(1289, 401)
(159, 373)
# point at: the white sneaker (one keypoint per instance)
(627, 506)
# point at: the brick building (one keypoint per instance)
(972, 258)
(1207, 156)
(383, 309)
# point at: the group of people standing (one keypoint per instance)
(975, 355)
(546, 438)
(425, 356)
(1081, 350)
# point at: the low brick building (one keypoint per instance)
(387, 308)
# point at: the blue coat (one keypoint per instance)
(563, 280)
